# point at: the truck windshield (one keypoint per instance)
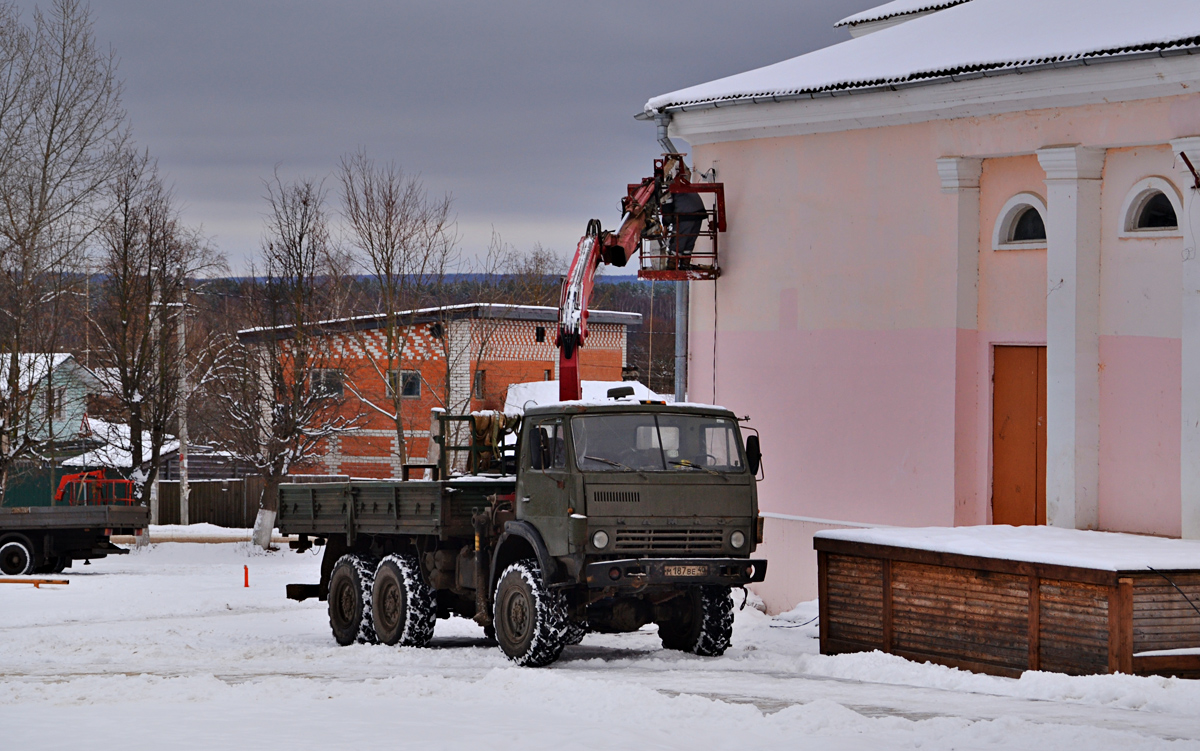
(664, 442)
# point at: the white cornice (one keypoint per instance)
(1097, 83)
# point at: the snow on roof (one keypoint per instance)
(982, 35)
(117, 451)
(1104, 551)
(32, 367)
(540, 393)
(896, 8)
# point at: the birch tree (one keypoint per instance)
(406, 241)
(145, 258)
(280, 404)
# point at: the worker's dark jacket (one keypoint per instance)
(685, 216)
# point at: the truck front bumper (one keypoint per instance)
(639, 573)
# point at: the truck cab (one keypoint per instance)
(637, 512)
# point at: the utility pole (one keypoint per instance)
(156, 337)
(183, 404)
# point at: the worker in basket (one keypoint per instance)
(684, 215)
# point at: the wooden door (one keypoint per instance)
(1019, 436)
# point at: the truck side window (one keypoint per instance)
(547, 446)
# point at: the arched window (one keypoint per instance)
(1151, 209)
(1156, 213)
(1021, 224)
(1028, 227)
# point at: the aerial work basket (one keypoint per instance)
(681, 241)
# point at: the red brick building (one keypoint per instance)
(460, 357)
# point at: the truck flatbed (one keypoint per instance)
(123, 518)
(382, 507)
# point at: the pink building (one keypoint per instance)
(960, 283)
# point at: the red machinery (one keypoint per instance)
(93, 489)
(651, 225)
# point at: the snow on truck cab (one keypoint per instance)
(620, 514)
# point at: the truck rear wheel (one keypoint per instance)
(575, 632)
(703, 626)
(350, 599)
(16, 558)
(530, 618)
(403, 607)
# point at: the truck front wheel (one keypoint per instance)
(16, 558)
(350, 599)
(403, 606)
(703, 625)
(530, 618)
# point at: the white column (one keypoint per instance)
(1189, 443)
(1072, 334)
(960, 178)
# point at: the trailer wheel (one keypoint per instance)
(703, 626)
(403, 607)
(530, 618)
(350, 599)
(16, 558)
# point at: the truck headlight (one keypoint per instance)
(737, 539)
(600, 539)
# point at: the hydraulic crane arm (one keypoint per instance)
(641, 209)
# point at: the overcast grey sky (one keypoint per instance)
(523, 111)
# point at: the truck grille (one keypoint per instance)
(617, 496)
(685, 539)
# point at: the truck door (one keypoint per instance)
(544, 491)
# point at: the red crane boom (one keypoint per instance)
(644, 219)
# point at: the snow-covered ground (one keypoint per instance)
(165, 649)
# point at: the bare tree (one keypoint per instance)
(406, 240)
(61, 125)
(281, 382)
(145, 260)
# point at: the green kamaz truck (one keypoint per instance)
(599, 516)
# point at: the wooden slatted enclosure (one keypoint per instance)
(1000, 616)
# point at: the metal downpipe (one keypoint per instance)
(663, 121)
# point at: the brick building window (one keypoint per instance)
(410, 383)
(547, 375)
(539, 334)
(480, 383)
(327, 382)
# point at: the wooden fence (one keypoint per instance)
(225, 503)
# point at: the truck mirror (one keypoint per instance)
(753, 454)
(620, 391)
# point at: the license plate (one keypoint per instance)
(685, 570)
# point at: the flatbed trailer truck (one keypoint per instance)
(48, 539)
(619, 514)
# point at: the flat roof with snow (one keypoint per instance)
(491, 311)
